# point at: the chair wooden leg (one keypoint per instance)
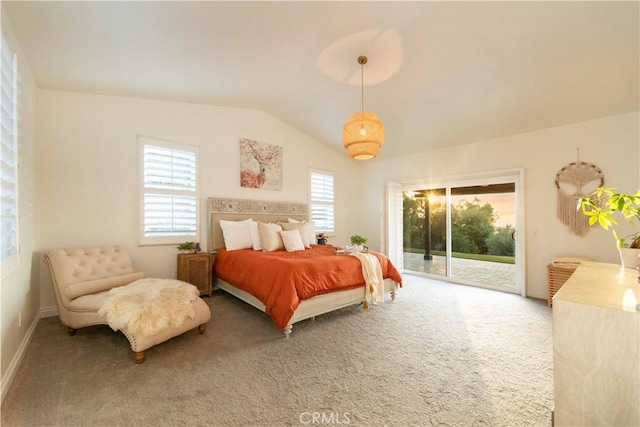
(71, 331)
(139, 357)
(202, 328)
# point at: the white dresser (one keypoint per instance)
(596, 347)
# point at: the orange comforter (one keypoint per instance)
(282, 279)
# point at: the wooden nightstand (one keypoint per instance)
(196, 269)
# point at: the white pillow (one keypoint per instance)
(310, 230)
(292, 240)
(255, 235)
(236, 236)
(270, 238)
(224, 222)
(302, 228)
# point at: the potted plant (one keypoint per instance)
(187, 247)
(601, 207)
(358, 242)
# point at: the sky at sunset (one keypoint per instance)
(503, 205)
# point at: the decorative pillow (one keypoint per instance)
(224, 222)
(302, 228)
(310, 230)
(292, 240)
(255, 235)
(236, 234)
(270, 238)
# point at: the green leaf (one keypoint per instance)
(603, 204)
(603, 222)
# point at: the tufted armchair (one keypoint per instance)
(83, 276)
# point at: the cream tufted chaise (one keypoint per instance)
(83, 276)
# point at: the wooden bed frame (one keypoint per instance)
(267, 211)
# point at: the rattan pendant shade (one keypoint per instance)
(363, 134)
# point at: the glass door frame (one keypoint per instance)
(515, 176)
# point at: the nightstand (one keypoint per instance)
(196, 269)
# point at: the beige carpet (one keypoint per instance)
(441, 354)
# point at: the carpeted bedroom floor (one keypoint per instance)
(440, 354)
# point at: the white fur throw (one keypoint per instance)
(148, 306)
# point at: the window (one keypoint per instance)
(169, 196)
(9, 158)
(322, 201)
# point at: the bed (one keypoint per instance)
(283, 293)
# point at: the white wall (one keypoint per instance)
(89, 168)
(611, 143)
(20, 290)
(89, 172)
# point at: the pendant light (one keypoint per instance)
(363, 134)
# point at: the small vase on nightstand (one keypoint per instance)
(629, 257)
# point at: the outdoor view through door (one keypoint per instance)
(470, 240)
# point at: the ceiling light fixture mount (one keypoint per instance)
(363, 134)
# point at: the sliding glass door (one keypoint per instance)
(483, 234)
(425, 231)
(466, 231)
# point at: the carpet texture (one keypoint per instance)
(440, 354)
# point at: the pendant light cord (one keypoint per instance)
(362, 89)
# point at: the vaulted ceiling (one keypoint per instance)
(439, 73)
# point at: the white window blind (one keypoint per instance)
(9, 159)
(394, 224)
(169, 192)
(322, 200)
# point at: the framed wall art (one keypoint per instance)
(260, 165)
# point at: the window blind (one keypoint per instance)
(394, 224)
(170, 198)
(9, 158)
(322, 201)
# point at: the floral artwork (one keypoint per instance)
(260, 165)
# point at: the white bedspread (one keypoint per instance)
(372, 272)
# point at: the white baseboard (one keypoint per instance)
(7, 379)
(48, 312)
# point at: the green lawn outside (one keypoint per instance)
(492, 258)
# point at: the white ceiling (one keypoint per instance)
(439, 73)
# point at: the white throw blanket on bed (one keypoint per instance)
(148, 306)
(372, 272)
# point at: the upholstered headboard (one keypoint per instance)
(259, 210)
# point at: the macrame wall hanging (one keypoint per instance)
(576, 180)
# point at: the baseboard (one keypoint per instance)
(7, 379)
(48, 312)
